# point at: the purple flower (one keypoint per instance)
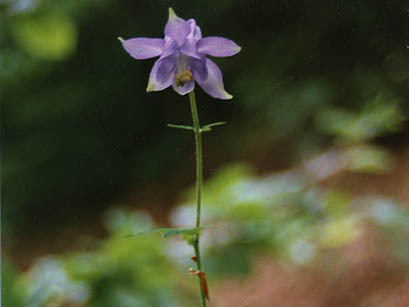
(182, 58)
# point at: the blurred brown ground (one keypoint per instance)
(363, 274)
(394, 184)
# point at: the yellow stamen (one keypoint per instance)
(183, 77)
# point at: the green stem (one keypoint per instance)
(199, 179)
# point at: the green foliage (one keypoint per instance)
(392, 218)
(377, 117)
(369, 159)
(11, 295)
(120, 272)
(48, 36)
(281, 215)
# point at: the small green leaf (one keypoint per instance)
(168, 232)
(190, 238)
(208, 127)
(145, 232)
(368, 159)
(181, 127)
(178, 231)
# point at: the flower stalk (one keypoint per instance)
(183, 63)
(199, 183)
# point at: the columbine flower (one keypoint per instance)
(183, 58)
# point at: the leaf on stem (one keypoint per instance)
(207, 128)
(186, 233)
(184, 127)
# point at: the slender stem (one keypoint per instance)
(199, 162)
(199, 176)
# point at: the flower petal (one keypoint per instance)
(189, 48)
(169, 48)
(143, 48)
(186, 88)
(218, 46)
(162, 74)
(213, 84)
(177, 28)
(198, 67)
(195, 32)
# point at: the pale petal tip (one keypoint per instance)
(172, 13)
(120, 39)
(151, 87)
(238, 49)
(226, 95)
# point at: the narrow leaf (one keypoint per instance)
(180, 127)
(168, 232)
(181, 231)
(209, 127)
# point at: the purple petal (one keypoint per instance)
(177, 28)
(186, 88)
(143, 48)
(218, 46)
(189, 48)
(213, 84)
(162, 74)
(195, 32)
(199, 69)
(169, 48)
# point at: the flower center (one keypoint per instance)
(183, 73)
(183, 77)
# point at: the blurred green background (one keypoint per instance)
(80, 134)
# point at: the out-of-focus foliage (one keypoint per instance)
(49, 37)
(287, 214)
(11, 295)
(122, 271)
(393, 220)
(283, 215)
(377, 117)
(79, 129)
